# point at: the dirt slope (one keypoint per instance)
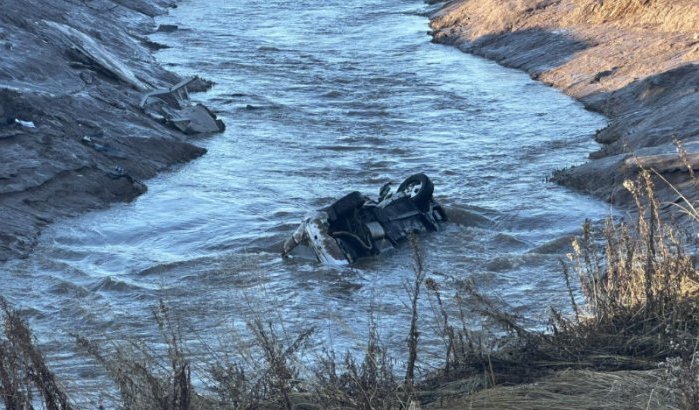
(72, 136)
(636, 61)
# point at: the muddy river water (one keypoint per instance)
(320, 98)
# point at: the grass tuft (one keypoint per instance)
(145, 379)
(23, 370)
(367, 384)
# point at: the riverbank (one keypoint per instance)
(72, 134)
(635, 61)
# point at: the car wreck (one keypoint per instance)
(171, 106)
(355, 226)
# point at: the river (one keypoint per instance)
(320, 99)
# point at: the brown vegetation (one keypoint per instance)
(639, 307)
(23, 370)
(570, 390)
(145, 380)
(371, 384)
(664, 15)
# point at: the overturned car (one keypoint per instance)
(356, 226)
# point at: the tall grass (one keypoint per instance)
(367, 384)
(371, 382)
(634, 303)
(641, 296)
(144, 378)
(24, 374)
(269, 377)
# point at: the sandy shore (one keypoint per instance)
(72, 134)
(635, 61)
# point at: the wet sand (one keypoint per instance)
(636, 62)
(72, 135)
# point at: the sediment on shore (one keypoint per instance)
(635, 61)
(72, 134)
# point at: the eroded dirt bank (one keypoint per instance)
(636, 61)
(72, 134)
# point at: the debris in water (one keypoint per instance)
(356, 226)
(28, 124)
(171, 106)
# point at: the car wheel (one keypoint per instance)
(419, 188)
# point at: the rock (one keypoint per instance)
(197, 119)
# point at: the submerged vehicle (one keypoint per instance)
(356, 226)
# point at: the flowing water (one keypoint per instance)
(320, 99)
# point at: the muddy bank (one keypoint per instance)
(636, 61)
(72, 134)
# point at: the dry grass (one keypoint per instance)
(637, 305)
(572, 390)
(641, 296)
(372, 383)
(665, 15)
(349, 384)
(473, 19)
(493, 16)
(684, 376)
(145, 379)
(267, 377)
(24, 374)
(600, 11)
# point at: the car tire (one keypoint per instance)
(419, 188)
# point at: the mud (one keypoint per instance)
(72, 135)
(635, 61)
